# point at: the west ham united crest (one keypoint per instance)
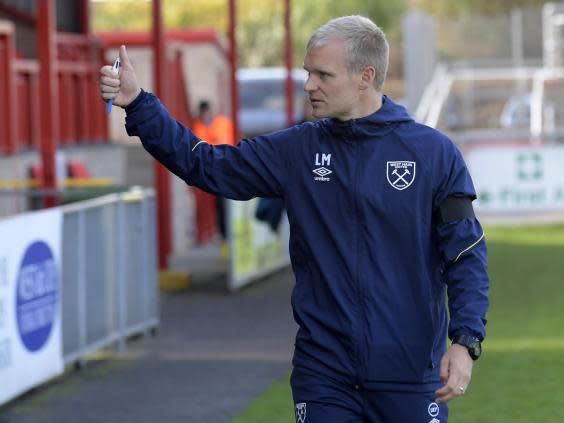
(400, 174)
(301, 412)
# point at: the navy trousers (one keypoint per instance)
(320, 399)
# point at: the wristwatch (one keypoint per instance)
(471, 342)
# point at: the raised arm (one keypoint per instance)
(254, 168)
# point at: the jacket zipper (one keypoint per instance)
(358, 282)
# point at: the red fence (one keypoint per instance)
(81, 112)
(27, 103)
(81, 117)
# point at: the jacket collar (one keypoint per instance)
(376, 124)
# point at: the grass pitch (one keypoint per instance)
(520, 377)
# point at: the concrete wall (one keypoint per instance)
(208, 77)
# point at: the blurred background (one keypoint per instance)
(138, 253)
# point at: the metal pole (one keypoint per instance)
(288, 53)
(48, 92)
(85, 17)
(517, 37)
(233, 69)
(517, 47)
(8, 88)
(162, 180)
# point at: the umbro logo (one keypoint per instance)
(435, 421)
(322, 171)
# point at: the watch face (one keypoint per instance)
(475, 350)
(473, 344)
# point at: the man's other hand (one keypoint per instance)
(456, 371)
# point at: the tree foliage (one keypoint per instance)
(260, 32)
(445, 8)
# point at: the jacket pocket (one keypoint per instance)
(407, 363)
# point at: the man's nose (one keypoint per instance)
(310, 85)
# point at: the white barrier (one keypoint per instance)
(30, 301)
(512, 180)
(73, 280)
(255, 249)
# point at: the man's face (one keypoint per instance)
(332, 90)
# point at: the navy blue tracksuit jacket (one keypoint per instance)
(372, 264)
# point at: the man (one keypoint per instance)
(202, 123)
(382, 226)
(216, 130)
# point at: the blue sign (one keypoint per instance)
(36, 295)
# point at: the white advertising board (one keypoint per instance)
(517, 179)
(30, 301)
(256, 250)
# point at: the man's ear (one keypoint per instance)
(367, 77)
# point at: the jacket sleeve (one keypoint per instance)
(253, 168)
(462, 246)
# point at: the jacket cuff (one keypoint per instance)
(133, 105)
(459, 332)
(143, 108)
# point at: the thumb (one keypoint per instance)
(124, 58)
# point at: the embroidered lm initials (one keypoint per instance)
(325, 159)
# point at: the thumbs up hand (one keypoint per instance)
(122, 88)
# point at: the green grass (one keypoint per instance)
(520, 377)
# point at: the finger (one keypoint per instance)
(451, 390)
(445, 390)
(106, 71)
(110, 81)
(124, 58)
(108, 89)
(108, 96)
(445, 394)
(444, 369)
(443, 399)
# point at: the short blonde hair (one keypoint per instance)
(365, 44)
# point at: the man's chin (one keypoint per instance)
(319, 113)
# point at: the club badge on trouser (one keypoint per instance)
(301, 412)
(400, 174)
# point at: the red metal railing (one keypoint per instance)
(81, 112)
(81, 115)
(177, 95)
(27, 113)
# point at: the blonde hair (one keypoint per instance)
(365, 44)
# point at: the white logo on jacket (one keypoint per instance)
(322, 159)
(433, 409)
(400, 174)
(301, 412)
